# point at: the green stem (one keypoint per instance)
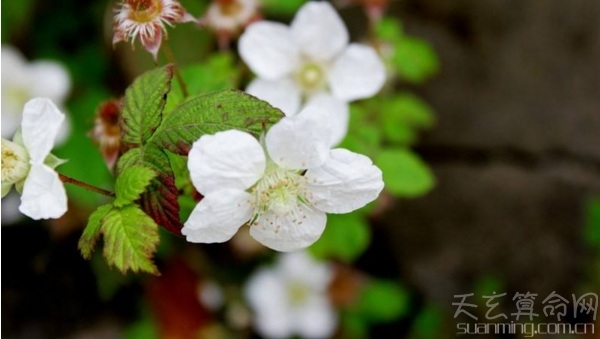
(69, 180)
(171, 59)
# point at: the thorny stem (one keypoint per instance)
(169, 54)
(88, 187)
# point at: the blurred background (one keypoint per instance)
(488, 133)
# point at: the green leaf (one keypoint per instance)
(402, 115)
(211, 113)
(488, 285)
(278, 7)
(345, 237)
(382, 301)
(160, 201)
(388, 29)
(404, 173)
(143, 105)
(131, 183)
(428, 324)
(364, 136)
(415, 59)
(216, 73)
(592, 230)
(92, 230)
(130, 239)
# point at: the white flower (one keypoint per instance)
(146, 20)
(291, 298)
(230, 15)
(22, 81)
(311, 61)
(28, 164)
(282, 190)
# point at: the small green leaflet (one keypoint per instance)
(90, 235)
(143, 105)
(160, 199)
(211, 113)
(131, 183)
(404, 173)
(346, 237)
(403, 115)
(130, 237)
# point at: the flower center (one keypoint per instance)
(297, 293)
(278, 191)
(144, 10)
(311, 76)
(15, 162)
(230, 7)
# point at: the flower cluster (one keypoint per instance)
(28, 165)
(284, 185)
(311, 62)
(281, 187)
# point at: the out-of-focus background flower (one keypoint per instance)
(488, 134)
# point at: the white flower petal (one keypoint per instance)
(41, 122)
(229, 159)
(283, 93)
(51, 81)
(44, 195)
(339, 115)
(303, 267)
(218, 216)
(269, 49)
(319, 31)
(301, 141)
(266, 294)
(357, 73)
(346, 182)
(290, 232)
(316, 318)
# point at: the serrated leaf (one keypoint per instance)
(131, 183)
(211, 113)
(143, 104)
(415, 59)
(345, 237)
(130, 239)
(404, 173)
(92, 231)
(160, 200)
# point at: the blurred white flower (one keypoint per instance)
(230, 15)
(291, 298)
(28, 164)
(311, 61)
(282, 188)
(146, 20)
(22, 81)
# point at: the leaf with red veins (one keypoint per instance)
(160, 199)
(160, 202)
